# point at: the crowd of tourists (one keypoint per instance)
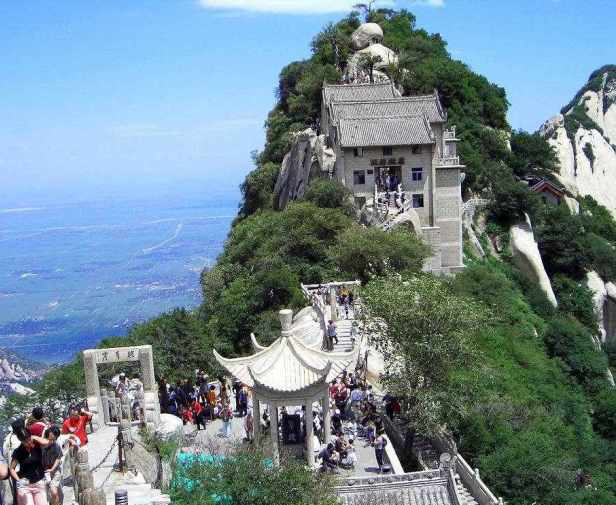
(34, 453)
(204, 401)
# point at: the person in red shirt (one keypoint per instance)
(36, 424)
(76, 424)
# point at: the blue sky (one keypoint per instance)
(108, 97)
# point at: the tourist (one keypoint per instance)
(52, 464)
(121, 388)
(226, 415)
(350, 459)
(248, 425)
(236, 388)
(243, 397)
(198, 413)
(180, 395)
(332, 334)
(327, 457)
(186, 414)
(76, 424)
(30, 479)
(340, 398)
(379, 450)
(211, 401)
(35, 423)
(336, 422)
(341, 445)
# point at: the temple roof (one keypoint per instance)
(287, 365)
(410, 130)
(390, 108)
(358, 92)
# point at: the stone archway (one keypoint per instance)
(143, 354)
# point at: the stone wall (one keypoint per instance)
(449, 215)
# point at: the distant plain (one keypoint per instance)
(72, 274)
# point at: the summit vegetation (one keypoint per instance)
(520, 385)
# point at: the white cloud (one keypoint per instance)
(301, 6)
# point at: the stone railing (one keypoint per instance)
(471, 205)
(472, 481)
(82, 477)
(450, 134)
(449, 161)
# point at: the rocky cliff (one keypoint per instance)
(584, 136)
(16, 371)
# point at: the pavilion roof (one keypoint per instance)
(287, 365)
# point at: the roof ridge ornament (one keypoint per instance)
(286, 321)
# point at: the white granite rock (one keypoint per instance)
(366, 34)
(169, 427)
(528, 259)
(580, 174)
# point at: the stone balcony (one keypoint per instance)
(449, 135)
(448, 161)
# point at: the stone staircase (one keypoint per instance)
(344, 328)
(465, 496)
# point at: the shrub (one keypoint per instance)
(330, 194)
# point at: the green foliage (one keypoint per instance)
(258, 189)
(245, 478)
(330, 194)
(365, 253)
(575, 299)
(425, 359)
(597, 219)
(604, 415)
(510, 199)
(560, 237)
(531, 154)
(567, 339)
(587, 149)
(531, 430)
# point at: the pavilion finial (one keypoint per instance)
(286, 319)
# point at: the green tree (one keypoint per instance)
(424, 332)
(531, 154)
(245, 478)
(365, 253)
(330, 194)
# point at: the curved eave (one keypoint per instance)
(322, 379)
(255, 344)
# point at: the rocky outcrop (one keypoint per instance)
(366, 34)
(604, 299)
(308, 158)
(16, 369)
(527, 258)
(584, 137)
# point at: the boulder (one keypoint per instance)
(528, 259)
(170, 426)
(308, 158)
(366, 34)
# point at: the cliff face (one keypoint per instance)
(14, 372)
(584, 136)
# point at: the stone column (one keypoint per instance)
(327, 419)
(92, 387)
(151, 404)
(333, 303)
(256, 418)
(309, 434)
(274, 434)
(105, 406)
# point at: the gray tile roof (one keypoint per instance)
(429, 487)
(411, 130)
(424, 495)
(358, 92)
(398, 107)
